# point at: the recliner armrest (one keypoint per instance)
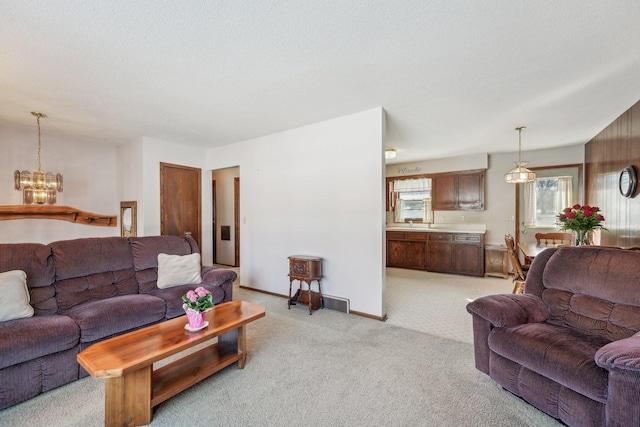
(622, 354)
(509, 309)
(217, 276)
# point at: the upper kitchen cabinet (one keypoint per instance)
(458, 191)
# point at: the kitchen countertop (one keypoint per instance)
(441, 228)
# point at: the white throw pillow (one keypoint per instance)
(178, 270)
(14, 296)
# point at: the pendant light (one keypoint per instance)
(37, 186)
(520, 173)
(389, 153)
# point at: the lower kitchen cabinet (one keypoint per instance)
(406, 250)
(457, 253)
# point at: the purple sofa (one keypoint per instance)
(570, 344)
(84, 291)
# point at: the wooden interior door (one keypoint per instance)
(181, 201)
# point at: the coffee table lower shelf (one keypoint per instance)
(180, 375)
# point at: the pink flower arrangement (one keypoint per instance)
(200, 299)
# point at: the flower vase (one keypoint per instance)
(195, 318)
(582, 237)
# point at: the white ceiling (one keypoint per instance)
(455, 76)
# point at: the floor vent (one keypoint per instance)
(336, 303)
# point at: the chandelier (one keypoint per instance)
(520, 173)
(37, 186)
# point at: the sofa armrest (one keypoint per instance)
(217, 276)
(621, 354)
(508, 309)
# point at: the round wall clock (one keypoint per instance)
(628, 181)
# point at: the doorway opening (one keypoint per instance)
(226, 216)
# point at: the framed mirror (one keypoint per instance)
(128, 218)
(628, 181)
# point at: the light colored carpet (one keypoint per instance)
(434, 303)
(328, 369)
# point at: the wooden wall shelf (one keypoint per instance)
(64, 213)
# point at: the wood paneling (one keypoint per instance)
(613, 149)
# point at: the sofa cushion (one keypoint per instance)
(145, 252)
(173, 297)
(30, 338)
(14, 296)
(564, 355)
(36, 260)
(605, 273)
(610, 320)
(92, 269)
(178, 270)
(103, 318)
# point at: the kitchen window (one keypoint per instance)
(410, 200)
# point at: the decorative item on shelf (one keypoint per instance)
(520, 173)
(389, 153)
(581, 220)
(195, 304)
(38, 187)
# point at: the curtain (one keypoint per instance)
(565, 192)
(398, 217)
(418, 184)
(529, 218)
(428, 212)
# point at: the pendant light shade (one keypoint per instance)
(38, 187)
(520, 173)
(389, 153)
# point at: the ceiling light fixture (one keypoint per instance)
(520, 174)
(389, 153)
(38, 187)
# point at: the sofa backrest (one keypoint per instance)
(92, 269)
(590, 288)
(34, 259)
(145, 256)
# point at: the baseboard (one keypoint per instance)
(357, 313)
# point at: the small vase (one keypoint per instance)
(582, 237)
(195, 318)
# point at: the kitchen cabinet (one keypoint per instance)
(457, 253)
(468, 254)
(458, 191)
(440, 252)
(406, 250)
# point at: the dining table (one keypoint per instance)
(531, 250)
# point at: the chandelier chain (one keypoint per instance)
(39, 145)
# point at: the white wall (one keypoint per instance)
(89, 171)
(315, 190)
(500, 202)
(225, 213)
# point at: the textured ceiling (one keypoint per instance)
(455, 77)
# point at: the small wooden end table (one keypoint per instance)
(305, 268)
(125, 362)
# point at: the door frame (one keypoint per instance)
(236, 220)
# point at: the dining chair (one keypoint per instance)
(519, 272)
(544, 239)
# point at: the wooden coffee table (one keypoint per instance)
(125, 362)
